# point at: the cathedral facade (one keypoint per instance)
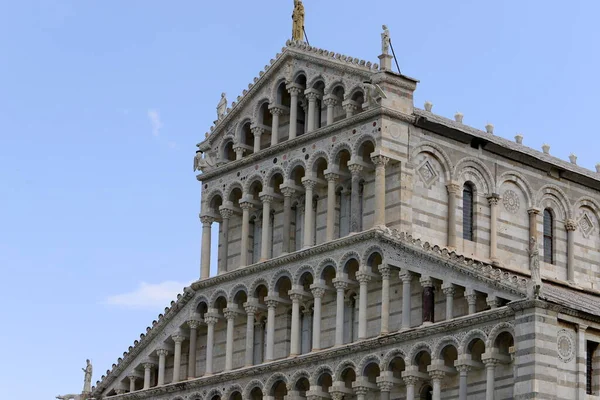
(370, 249)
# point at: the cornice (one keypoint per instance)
(317, 357)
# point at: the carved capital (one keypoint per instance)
(250, 309)
(148, 365)
(120, 391)
(410, 380)
(272, 304)
(570, 225)
(463, 368)
(355, 169)
(287, 191)
(330, 100)
(257, 130)
(193, 324)
(211, 320)
(385, 271)
(266, 198)
(380, 161)
(340, 285)
(363, 277)
(360, 390)
(426, 281)
(449, 290)
(206, 220)
(230, 314)
(226, 213)
(275, 110)
(437, 374)
(178, 338)
(246, 206)
(332, 177)
(405, 276)
(162, 352)
(385, 386)
(453, 188)
(295, 297)
(493, 199)
(318, 293)
(309, 184)
(471, 298)
(490, 362)
(535, 211)
(294, 89)
(133, 378)
(312, 94)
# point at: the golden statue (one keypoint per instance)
(298, 18)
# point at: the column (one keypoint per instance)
(380, 163)
(340, 287)
(410, 382)
(295, 329)
(533, 230)
(436, 380)
(192, 355)
(355, 214)
(385, 270)
(230, 316)
(294, 89)
(266, 226)
(463, 371)
(318, 297)
(239, 152)
(287, 217)
(276, 112)
(271, 307)
(205, 256)
(490, 377)
(453, 190)
(361, 392)
(406, 278)
(147, 370)
(178, 339)
(471, 297)
(211, 321)
(331, 183)
(492, 301)
(428, 300)
(250, 313)
(385, 387)
(257, 131)
(132, 379)
(309, 215)
(350, 106)
(363, 278)
(493, 202)
(246, 208)
(226, 214)
(330, 101)
(162, 358)
(312, 95)
(449, 290)
(571, 227)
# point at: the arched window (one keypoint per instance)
(548, 237)
(468, 212)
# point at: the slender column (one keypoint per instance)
(257, 131)
(453, 189)
(318, 297)
(385, 387)
(205, 256)
(331, 182)
(493, 202)
(266, 226)
(147, 370)
(406, 277)
(410, 382)
(239, 152)
(178, 339)
(132, 379)
(363, 278)
(581, 362)
(295, 329)
(428, 300)
(271, 307)
(571, 227)
(162, 358)
(449, 290)
(287, 217)
(490, 376)
(192, 355)
(350, 106)
(230, 316)
(276, 112)
(436, 380)
(312, 95)
(355, 214)
(250, 313)
(463, 371)
(340, 287)
(380, 163)
(211, 321)
(492, 301)
(226, 214)
(246, 208)
(385, 271)
(533, 230)
(471, 297)
(294, 90)
(309, 215)
(330, 101)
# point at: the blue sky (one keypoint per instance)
(102, 102)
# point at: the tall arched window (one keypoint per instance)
(548, 237)
(468, 212)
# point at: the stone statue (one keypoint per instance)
(298, 18)
(70, 397)
(222, 107)
(373, 93)
(289, 73)
(534, 267)
(87, 380)
(203, 164)
(385, 40)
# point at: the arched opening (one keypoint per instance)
(297, 217)
(255, 231)
(247, 138)
(228, 152)
(359, 98)
(338, 109)
(341, 160)
(397, 366)
(422, 361)
(265, 120)
(324, 382)
(256, 394)
(302, 106)
(371, 372)
(260, 328)
(216, 231)
(468, 210)
(449, 354)
(348, 376)
(426, 393)
(319, 199)
(279, 390)
(350, 268)
(306, 319)
(201, 309)
(548, 236)
(283, 320)
(302, 386)
(320, 110)
(236, 396)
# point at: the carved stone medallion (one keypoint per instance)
(586, 225)
(511, 201)
(427, 173)
(566, 345)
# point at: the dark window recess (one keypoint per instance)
(548, 237)
(589, 366)
(468, 212)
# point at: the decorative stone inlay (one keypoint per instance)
(511, 201)
(566, 345)
(427, 174)
(586, 225)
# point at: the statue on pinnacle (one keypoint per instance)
(298, 18)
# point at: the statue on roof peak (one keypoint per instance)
(222, 107)
(298, 18)
(385, 40)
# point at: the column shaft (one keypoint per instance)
(533, 231)
(295, 328)
(250, 336)
(364, 279)
(177, 359)
(147, 371)
(355, 215)
(493, 202)
(192, 354)
(331, 182)
(428, 304)
(132, 380)
(226, 215)
(246, 207)
(266, 228)
(312, 103)
(210, 344)
(205, 255)
(270, 330)
(308, 214)
(287, 218)
(410, 391)
(339, 315)
(462, 384)
(257, 131)
(229, 343)
(330, 108)
(162, 354)
(437, 388)
(449, 291)
(571, 227)
(406, 297)
(380, 163)
(275, 127)
(293, 113)
(452, 192)
(490, 380)
(316, 338)
(385, 299)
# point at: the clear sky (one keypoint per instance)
(102, 102)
